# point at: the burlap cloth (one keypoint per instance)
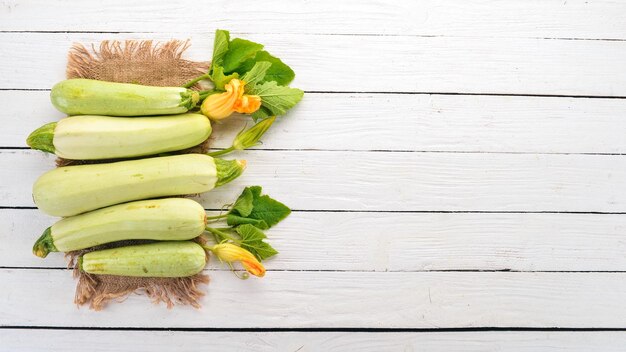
(142, 62)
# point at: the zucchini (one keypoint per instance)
(71, 190)
(156, 219)
(160, 259)
(91, 137)
(92, 97)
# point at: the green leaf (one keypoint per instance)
(252, 241)
(250, 233)
(239, 50)
(265, 213)
(220, 79)
(267, 209)
(220, 46)
(262, 250)
(243, 204)
(279, 72)
(277, 99)
(256, 73)
(261, 114)
(235, 220)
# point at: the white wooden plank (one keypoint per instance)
(23, 340)
(581, 19)
(399, 242)
(374, 63)
(399, 122)
(308, 180)
(39, 297)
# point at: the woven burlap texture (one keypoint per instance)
(140, 62)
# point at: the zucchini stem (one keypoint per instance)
(228, 170)
(220, 235)
(45, 244)
(216, 217)
(221, 152)
(196, 80)
(205, 94)
(43, 138)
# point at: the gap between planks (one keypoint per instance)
(386, 151)
(234, 34)
(217, 270)
(405, 211)
(486, 94)
(320, 329)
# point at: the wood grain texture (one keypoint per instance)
(551, 18)
(338, 299)
(157, 341)
(373, 63)
(400, 242)
(398, 122)
(308, 180)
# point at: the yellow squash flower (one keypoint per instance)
(222, 105)
(232, 253)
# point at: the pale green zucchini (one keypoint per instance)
(71, 190)
(155, 219)
(160, 259)
(90, 137)
(91, 97)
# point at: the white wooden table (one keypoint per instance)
(456, 168)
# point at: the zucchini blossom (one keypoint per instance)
(221, 105)
(231, 253)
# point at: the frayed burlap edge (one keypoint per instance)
(135, 61)
(149, 63)
(98, 290)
